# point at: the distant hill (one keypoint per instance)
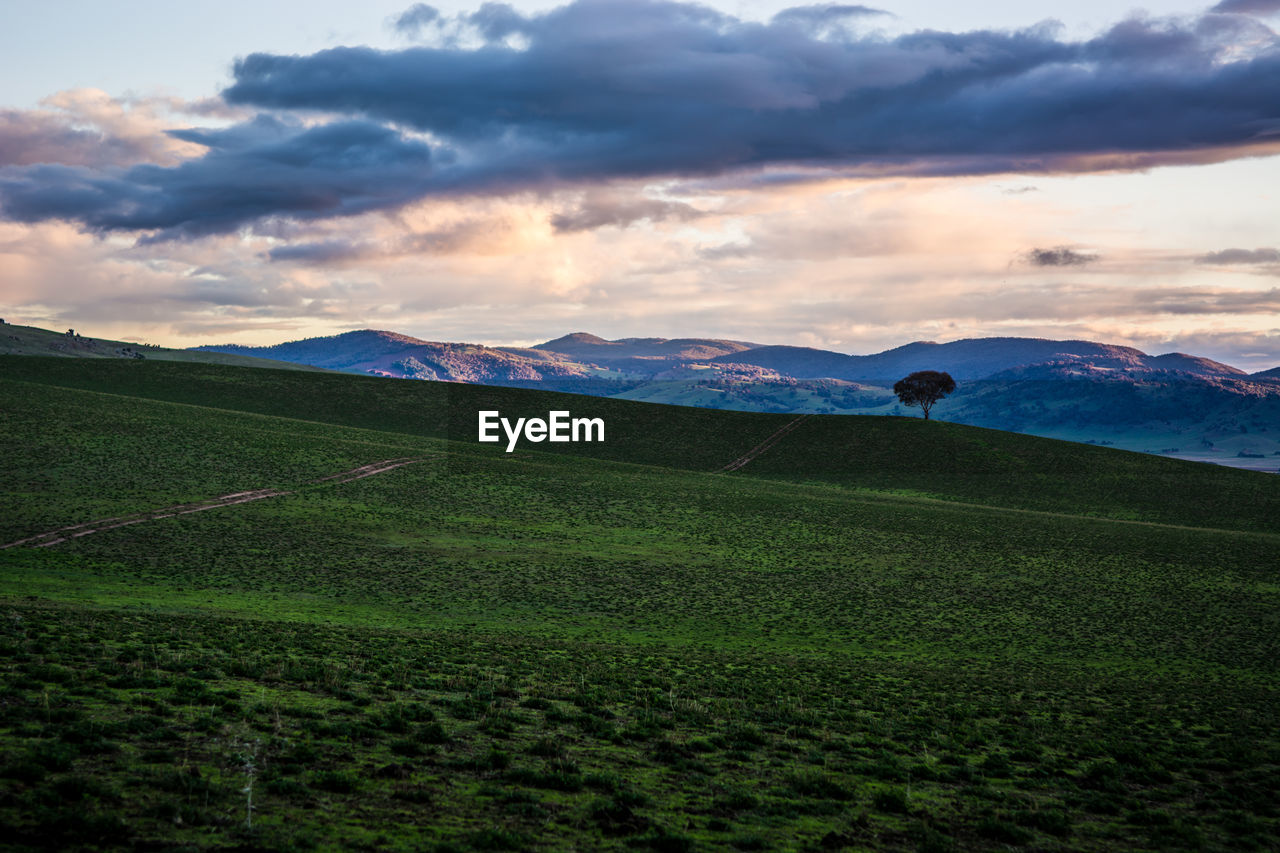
(336, 352)
(598, 350)
(800, 362)
(974, 358)
(390, 354)
(30, 340)
(583, 355)
(578, 362)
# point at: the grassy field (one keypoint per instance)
(880, 634)
(950, 462)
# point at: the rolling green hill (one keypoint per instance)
(879, 633)
(31, 340)
(947, 461)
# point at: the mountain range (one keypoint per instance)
(585, 355)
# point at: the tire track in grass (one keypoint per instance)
(367, 470)
(75, 531)
(760, 448)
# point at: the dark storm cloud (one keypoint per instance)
(1248, 7)
(1241, 256)
(604, 90)
(637, 88)
(415, 18)
(258, 169)
(1061, 256)
(822, 17)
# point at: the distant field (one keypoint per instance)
(879, 634)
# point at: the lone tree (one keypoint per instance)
(924, 388)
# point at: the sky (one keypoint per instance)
(844, 176)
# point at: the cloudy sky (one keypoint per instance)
(845, 176)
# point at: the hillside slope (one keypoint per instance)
(30, 340)
(1177, 405)
(950, 461)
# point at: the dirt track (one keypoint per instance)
(74, 531)
(764, 445)
(367, 470)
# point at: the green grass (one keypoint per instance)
(133, 728)
(951, 638)
(947, 461)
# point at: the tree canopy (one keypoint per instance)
(924, 388)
